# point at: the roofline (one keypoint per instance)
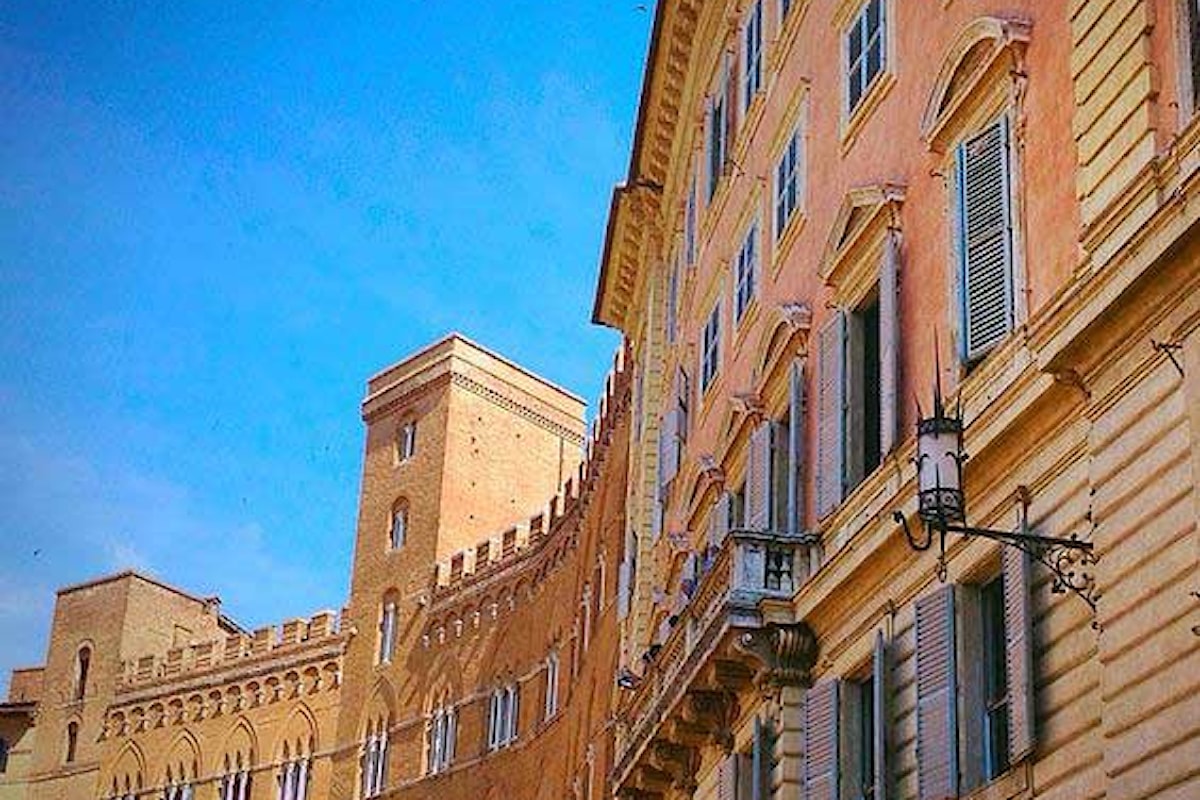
(24, 707)
(133, 573)
(456, 336)
(609, 231)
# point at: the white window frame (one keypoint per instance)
(862, 63)
(752, 54)
(745, 273)
(387, 633)
(399, 527)
(552, 669)
(406, 442)
(710, 348)
(789, 181)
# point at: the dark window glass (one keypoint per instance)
(995, 680)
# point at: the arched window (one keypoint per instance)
(3, 756)
(72, 741)
(406, 441)
(387, 631)
(83, 661)
(398, 525)
(375, 758)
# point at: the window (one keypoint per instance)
(237, 779)
(1191, 14)
(374, 762)
(995, 679)
(83, 661)
(710, 348)
(585, 612)
(72, 742)
(862, 425)
(745, 273)
(865, 51)
(406, 442)
(752, 54)
(178, 785)
(718, 136)
(788, 186)
(502, 717)
(387, 633)
(128, 789)
(785, 6)
(985, 241)
(858, 761)
(399, 526)
(551, 707)
(3, 756)
(442, 738)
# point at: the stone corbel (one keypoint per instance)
(714, 712)
(785, 652)
(749, 406)
(711, 474)
(679, 762)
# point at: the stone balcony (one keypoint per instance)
(737, 631)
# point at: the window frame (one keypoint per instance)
(752, 54)
(850, 64)
(710, 349)
(793, 178)
(399, 511)
(746, 272)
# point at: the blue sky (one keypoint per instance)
(217, 219)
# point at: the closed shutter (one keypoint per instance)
(985, 245)
(830, 422)
(718, 521)
(623, 586)
(668, 446)
(879, 696)
(820, 773)
(889, 343)
(796, 419)
(937, 723)
(1018, 634)
(727, 778)
(758, 479)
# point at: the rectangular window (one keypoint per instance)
(785, 6)
(1192, 14)
(710, 352)
(718, 136)
(683, 395)
(858, 735)
(862, 423)
(737, 509)
(865, 52)
(986, 289)
(752, 54)
(502, 719)
(551, 707)
(995, 680)
(673, 299)
(689, 224)
(745, 273)
(788, 183)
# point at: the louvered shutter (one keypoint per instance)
(727, 778)
(889, 342)
(668, 446)
(796, 419)
(830, 423)
(937, 707)
(718, 521)
(820, 773)
(879, 696)
(985, 245)
(758, 479)
(1018, 633)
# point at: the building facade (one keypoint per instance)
(840, 217)
(832, 208)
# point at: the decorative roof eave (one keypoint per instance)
(636, 201)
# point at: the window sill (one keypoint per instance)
(1012, 785)
(781, 48)
(751, 119)
(783, 245)
(853, 124)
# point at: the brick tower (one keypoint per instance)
(460, 445)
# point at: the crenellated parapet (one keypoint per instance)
(479, 583)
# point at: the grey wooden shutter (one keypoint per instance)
(668, 446)
(758, 478)
(1018, 633)
(624, 575)
(796, 419)
(820, 773)
(727, 778)
(718, 521)
(889, 344)
(830, 422)
(879, 696)
(937, 697)
(985, 243)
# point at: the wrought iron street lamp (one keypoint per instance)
(941, 505)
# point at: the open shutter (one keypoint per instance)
(727, 778)
(758, 479)
(718, 521)
(830, 399)
(668, 446)
(820, 773)
(937, 697)
(761, 761)
(1018, 634)
(623, 585)
(656, 512)
(796, 420)
(889, 341)
(879, 697)
(985, 245)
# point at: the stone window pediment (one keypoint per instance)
(849, 264)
